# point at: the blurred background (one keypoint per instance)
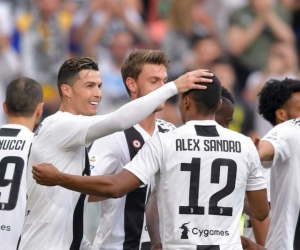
(244, 42)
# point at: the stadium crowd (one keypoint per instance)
(245, 43)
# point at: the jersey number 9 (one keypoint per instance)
(11, 169)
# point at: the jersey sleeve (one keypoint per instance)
(69, 131)
(105, 156)
(148, 160)
(256, 180)
(131, 113)
(281, 137)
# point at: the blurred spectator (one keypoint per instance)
(155, 16)
(282, 62)
(204, 52)
(41, 38)
(114, 92)
(9, 68)
(187, 21)
(101, 20)
(252, 31)
(220, 11)
(243, 115)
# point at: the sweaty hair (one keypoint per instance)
(23, 96)
(207, 100)
(133, 64)
(274, 95)
(69, 71)
(226, 96)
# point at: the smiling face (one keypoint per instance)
(85, 94)
(151, 78)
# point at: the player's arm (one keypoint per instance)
(250, 245)
(260, 229)
(137, 110)
(152, 221)
(139, 171)
(256, 188)
(258, 206)
(111, 186)
(105, 160)
(266, 151)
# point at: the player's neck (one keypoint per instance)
(199, 117)
(64, 107)
(27, 122)
(148, 124)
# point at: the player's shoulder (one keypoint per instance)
(230, 135)
(164, 126)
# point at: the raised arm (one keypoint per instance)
(137, 110)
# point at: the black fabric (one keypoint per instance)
(78, 212)
(207, 131)
(135, 200)
(297, 235)
(9, 132)
(207, 247)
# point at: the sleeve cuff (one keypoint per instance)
(138, 174)
(255, 187)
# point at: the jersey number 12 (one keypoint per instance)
(194, 167)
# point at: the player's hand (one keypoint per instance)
(188, 81)
(250, 245)
(45, 174)
(157, 246)
(256, 141)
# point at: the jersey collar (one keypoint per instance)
(202, 122)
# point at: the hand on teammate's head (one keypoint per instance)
(191, 80)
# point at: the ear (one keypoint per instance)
(39, 110)
(219, 104)
(66, 90)
(281, 115)
(131, 85)
(187, 101)
(5, 108)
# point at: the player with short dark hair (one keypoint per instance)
(23, 106)
(122, 224)
(202, 171)
(62, 139)
(279, 103)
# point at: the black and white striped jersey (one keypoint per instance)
(202, 171)
(122, 222)
(15, 141)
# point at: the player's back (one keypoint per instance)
(15, 141)
(202, 183)
(54, 214)
(122, 221)
(284, 231)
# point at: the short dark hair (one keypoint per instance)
(69, 71)
(206, 100)
(226, 95)
(133, 64)
(274, 95)
(23, 96)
